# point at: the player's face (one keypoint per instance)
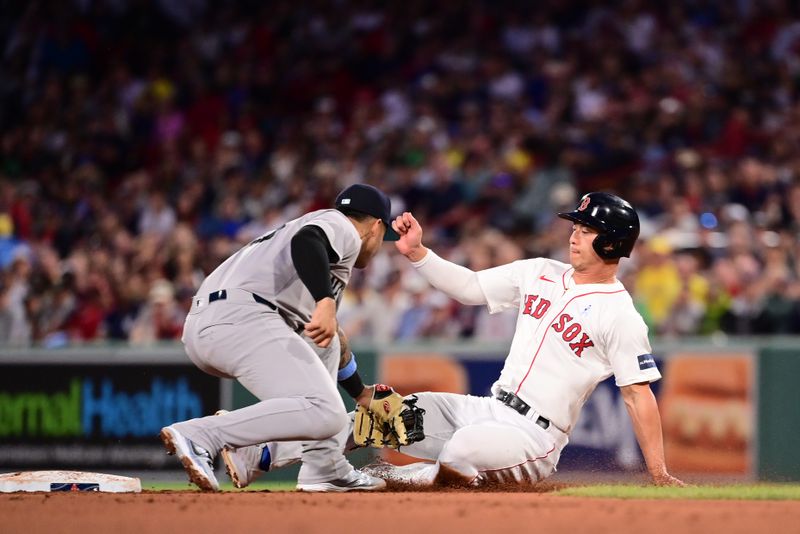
(581, 253)
(371, 243)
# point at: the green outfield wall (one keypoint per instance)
(779, 412)
(101, 406)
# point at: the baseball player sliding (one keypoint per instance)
(576, 327)
(267, 317)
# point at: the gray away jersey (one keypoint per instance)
(265, 267)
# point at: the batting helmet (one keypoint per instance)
(615, 220)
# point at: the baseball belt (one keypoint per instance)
(521, 407)
(222, 294)
(240, 295)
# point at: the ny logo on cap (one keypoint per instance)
(584, 204)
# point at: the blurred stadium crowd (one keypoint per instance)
(143, 141)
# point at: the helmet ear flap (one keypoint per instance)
(605, 247)
(610, 248)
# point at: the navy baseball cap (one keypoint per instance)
(370, 200)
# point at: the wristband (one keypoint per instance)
(348, 370)
(352, 385)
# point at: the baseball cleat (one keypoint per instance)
(197, 461)
(241, 464)
(355, 480)
(235, 467)
(417, 474)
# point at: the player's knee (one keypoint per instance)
(461, 451)
(332, 419)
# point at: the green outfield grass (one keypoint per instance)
(779, 492)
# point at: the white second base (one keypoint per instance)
(68, 481)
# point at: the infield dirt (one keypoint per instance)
(407, 512)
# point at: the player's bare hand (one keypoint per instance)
(322, 326)
(665, 479)
(410, 232)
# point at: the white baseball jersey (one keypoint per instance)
(569, 337)
(265, 267)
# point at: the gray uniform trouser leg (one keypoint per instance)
(297, 390)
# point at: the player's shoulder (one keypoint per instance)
(331, 216)
(539, 264)
(618, 297)
(614, 299)
(554, 266)
(542, 267)
(622, 312)
(330, 220)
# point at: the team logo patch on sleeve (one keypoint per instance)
(646, 361)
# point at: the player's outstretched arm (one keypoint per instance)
(643, 410)
(455, 281)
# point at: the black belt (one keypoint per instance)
(222, 294)
(520, 406)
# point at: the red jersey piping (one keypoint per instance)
(518, 465)
(516, 392)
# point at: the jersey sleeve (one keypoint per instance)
(629, 351)
(340, 233)
(500, 285)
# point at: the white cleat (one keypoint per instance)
(417, 474)
(355, 480)
(197, 461)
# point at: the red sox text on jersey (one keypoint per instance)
(565, 324)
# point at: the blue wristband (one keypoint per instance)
(348, 370)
